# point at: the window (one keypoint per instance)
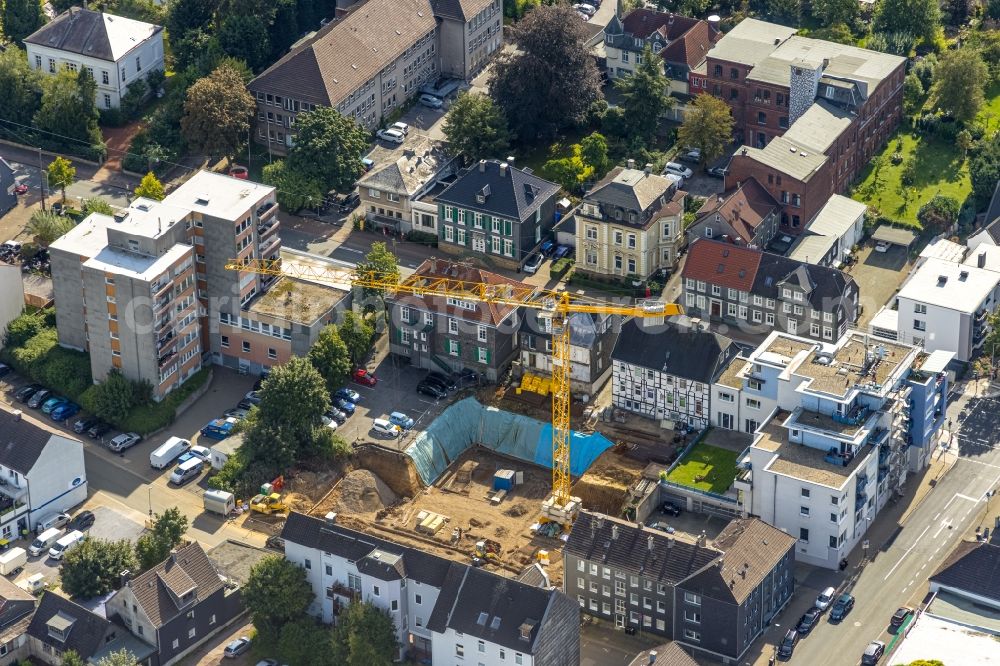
(692, 635)
(919, 325)
(459, 650)
(753, 403)
(692, 598)
(482, 646)
(191, 632)
(307, 564)
(246, 347)
(452, 326)
(395, 605)
(761, 118)
(375, 590)
(804, 534)
(107, 101)
(591, 233)
(692, 616)
(804, 511)
(454, 348)
(756, 385)
(52, 66)
(225, 342)
(176, 644)
(481, 334)
(919, 308)
(138, 64)
(482, 354)
(805, 492)
(104, 77)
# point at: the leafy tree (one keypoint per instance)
(984, 169)
(113, 398)
(20, 87)
(244, 36)
(383, 264)
(217, 112)
(328, 147)
(168, 531)
(941, 212)
(594, 153)
(94, 566)
(357, 335)
(331, 358)
(72, 658)
(896, 43)
(295, 190)
(364, 635)
(921, 18)
(150, 187)
(957, 11)
(831, 12)
(293, 399)
(276, 593)
(570, 172)
(23, 328)
(184, 15)
(303, 642)
(913, 94)
(786, 12)
(644, 97)
(837, 33)
(97, 205)
(964, 141)
(924, 70)
(46, 226)
(707, 126)
(61, 174)
(958, 84)
(284, 28)
(118, 658)
(67, 109)
(549, 81)
(476, 128)
(196, 50)
(21, 18)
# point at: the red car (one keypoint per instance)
(363, 377)
(20, 188)
(240, 172)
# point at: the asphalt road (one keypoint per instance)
(901, 565)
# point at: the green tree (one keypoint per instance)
(168, 531)
(548, 82)
(61, 174)
(941, 212)
(46, 226)
(331, 357)
(382, 264)
(364, 636)
(303, 642)
(878, 178)
(708, 126)
(644, 97)
(24, 327)
(94, 567)
(150, 187)
(67, 113)
(831, 12)
(958, 84)
(786, 12)
(476, 128)
(244, 37)
(913, 94)
(984, 169)
(594, 153)
(21, 18)
(113, 398)
(357, 335)
(72, 658)
(837, 33)
(118, 658)
(97, 205)
(217, 113)
(20, 87)
(328, 147)
(295, 190)
(185, 15)
(276, 593)
(964, 141)
(293, 399)
(570, 172)
(921, 18)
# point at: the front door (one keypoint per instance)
(793, 326)
(716, 308)
(725, 421)
(619, 621)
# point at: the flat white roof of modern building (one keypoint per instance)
(837, 215)
(750, 41)
(136, 266)
(942, 248)
(841, 60)
(218, 195)
(991, 261)
(886, 319)
(145, 217)
(945, 284)
(87, 238)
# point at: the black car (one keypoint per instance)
(446, 382)
(899, 617)
(467, 376)
(670, 509)
(432, 389)
(337, 415)
(809, 620)
(4, 369)
(841, 607)
(82, 521)
(39, 397)
(873, 653)
(787, 646)
(245, 404)
(25, 392)
(99, 429)
(85, 423)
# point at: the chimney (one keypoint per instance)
(981, 259)
(173, 555)
(482, 166)
(630, 163)
(331, 518)
(614, 531)
(648, 168)
(652, 656)
(510, 160)
(503, 168)
(670, 543)
(649, 542)
(124, 577)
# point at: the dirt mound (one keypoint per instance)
(604, 486)
(298, 502)
(361, 491)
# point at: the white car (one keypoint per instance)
(401, 127)
(881, 246)
(583, 17)
(825, 598)
(677, 169)
(124, 441)
(675, 178)
(202, 452)
(690, 155)
(533, 263)
(329, 422)
(383, 428)
(585, 9)
(430, 101)
(390, 135)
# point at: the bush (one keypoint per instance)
(41, 359)
(23, 328)
(150, 417)
(560, 267)
(422, 237)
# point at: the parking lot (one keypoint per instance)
(879, 275)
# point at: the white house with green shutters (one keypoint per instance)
(496, 210)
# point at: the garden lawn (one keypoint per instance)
(706, 467)
(940, 170)
(989, 115)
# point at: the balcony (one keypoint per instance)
(156, 288)
(266, 208)
(164, 341)
(267, 228)
(160, 303)
(856, 416)
(166, 358)
(835, 457)
(164, 323)
(269, 244)
(343, 591)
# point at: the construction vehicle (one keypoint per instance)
(268, 504)
(487, 550)
(559, 507)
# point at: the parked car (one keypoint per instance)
(345, 406)
(99, 429)
(881, 246)
(547, 248)
(670, 509)
(431, 389)
(402, 128)
(52, 403)
(447, 382)
(825, 598)
(690, 155)
(219, 428)
(677, 169)
(873, 653)
(85, 423)
(126, 440)
(349, 202)
(584, 18)
(584, 9)
(390, 135)
(363, 377)
(39, 397)
(236, 413)
(245, 404)
(900, 616)
(787, 646)
(808, 620)
(718, 171)
(533, 263)
(24, 393)
(82, 521)
(468, 376)
(240, 172)
(385, 429)
(337, 415)
(4, 369)
(21, 188)
(562, 251)
(401, 419)
(64, 411)
(663, 527)
(237, 647)
(674, 178)
(430, 101)
(202, 453)
(841, 607)
(253, 397)
(347, 394)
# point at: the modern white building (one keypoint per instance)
(444, 612)
(115, 50)
(830, 235)
(41, 473)
(11, 296)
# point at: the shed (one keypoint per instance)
(894, 236)
(224, 449)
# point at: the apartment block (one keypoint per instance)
(592, 339)
(836, 428)
(444, 612)
(471, 32)
(713, 598)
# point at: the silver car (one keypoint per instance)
(124, 441)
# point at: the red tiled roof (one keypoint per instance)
(487, 313)
(692, 46)
(724, 264)
(643, 22)
(744, 208)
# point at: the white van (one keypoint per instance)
(65, 544)
(168, 452)
(52, 520)
(44, 541)
(186, 471)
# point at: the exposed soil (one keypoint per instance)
(362, 493)
(604, 486)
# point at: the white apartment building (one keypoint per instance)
(444, 612)
(116, 51)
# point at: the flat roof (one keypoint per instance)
(733, 374)
(870, 68)
(217, 195)
(297, 301)
(886, 319)
(750, 41)
(894, 235)
(991, 257)
(942, 248)
(837, 216)
(937, 361)
(136, 266)
(800, 461)
(791, 158)
(945, 284)
(949, 641)
(811, 247)
(819, 127)
(856, 365)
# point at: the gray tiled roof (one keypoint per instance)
(86, 634)
(631, 189)
(86, 33)
(21, 442)
(463, 10)
(188, 568)
(973, 568)
(685, 352)
(514, 195)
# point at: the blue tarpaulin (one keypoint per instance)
(467, 423)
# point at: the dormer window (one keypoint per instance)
(59, 626)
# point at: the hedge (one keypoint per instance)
(41, 359)
(145, 419)
(560, 267)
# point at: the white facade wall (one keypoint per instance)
(11, 296)
(659, 395)
(945, 329)
(119, 75)
(58, 480)
(452, 648)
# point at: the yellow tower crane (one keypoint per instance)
(559, 507)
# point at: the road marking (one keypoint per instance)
(350, 249)
(924, 566)
(936, 516)
(966, 497)
(906, 552)
(944, 524)
(980, 462)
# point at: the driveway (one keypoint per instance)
(603, 645)
(879, 275)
